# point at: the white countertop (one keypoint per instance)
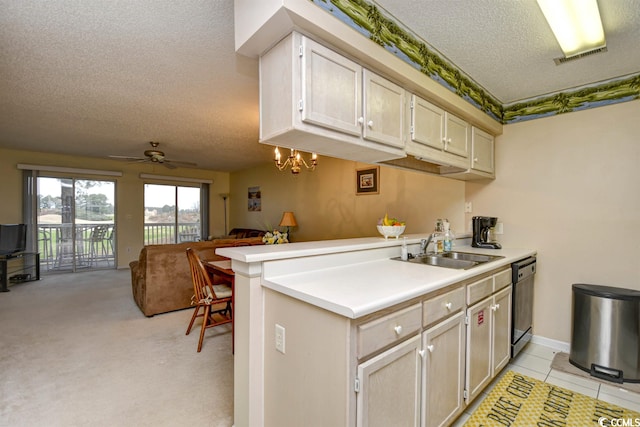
(356, 289)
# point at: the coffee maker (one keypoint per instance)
(481, 227)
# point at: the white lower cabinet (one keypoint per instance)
(389, 387)
(488, 340)
(407, 365)
(443, 348)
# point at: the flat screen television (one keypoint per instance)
(13, 238)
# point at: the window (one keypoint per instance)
(173, 214)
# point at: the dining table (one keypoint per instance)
(222, 270)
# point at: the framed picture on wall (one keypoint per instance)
(255, 199)
(368, 180)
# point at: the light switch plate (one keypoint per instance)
(468, 207)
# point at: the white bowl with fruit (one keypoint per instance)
(390, 227)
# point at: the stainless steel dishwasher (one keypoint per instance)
(523, 272)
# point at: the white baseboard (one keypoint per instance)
(548, 342)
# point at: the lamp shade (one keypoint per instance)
(288, 220)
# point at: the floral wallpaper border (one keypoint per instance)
(366, 18)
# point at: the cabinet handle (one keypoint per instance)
(370, 124)
(448, 305)
(495, 307)
(475, 160)
(398, 329)
(360, 120)
(430, 348)
(421, 353)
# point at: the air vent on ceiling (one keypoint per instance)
(560, 61)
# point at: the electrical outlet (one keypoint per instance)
(468, 207)
(280, 338)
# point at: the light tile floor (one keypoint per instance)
(535, 361)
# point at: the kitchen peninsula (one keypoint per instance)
(338, 332)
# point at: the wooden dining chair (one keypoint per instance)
(206, 295)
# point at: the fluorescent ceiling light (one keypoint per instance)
(575, 23)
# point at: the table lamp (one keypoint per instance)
(288, 220)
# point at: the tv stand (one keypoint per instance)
(26, 271)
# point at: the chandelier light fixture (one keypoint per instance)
(295, 161)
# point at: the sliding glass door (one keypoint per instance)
(76, 224)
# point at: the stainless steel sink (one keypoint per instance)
(470, 257)
(440, 261)
(457, 260)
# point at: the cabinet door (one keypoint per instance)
(501, 329)
(457, 136)
(482, 151)
(331, 89)
(427, 123)
(390, 387)
(478, 347)
(383, 110)
(443, 371)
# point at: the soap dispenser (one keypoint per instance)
(404, 251)
(448, 237)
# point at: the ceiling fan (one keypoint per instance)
(155, 156)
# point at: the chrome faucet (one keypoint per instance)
(424, 243)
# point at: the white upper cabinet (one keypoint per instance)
(456, 140)
(314, 99)
(384, 104)
(438, 136)
(427, 123)
(481, 161)
(332, 89)
(482, 152)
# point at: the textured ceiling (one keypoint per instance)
(99, 78)
(102, 78)
(508, 48)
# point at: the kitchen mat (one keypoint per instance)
(561, 363)
(521, 401)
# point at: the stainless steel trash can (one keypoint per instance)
(605, 332)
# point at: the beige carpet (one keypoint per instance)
(75, 350)
(521, 401)
(561, 363)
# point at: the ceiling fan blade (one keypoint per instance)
(169, 165)
(127, 158)
(179, 163)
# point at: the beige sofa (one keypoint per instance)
(160, 278)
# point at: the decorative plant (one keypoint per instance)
(275, 237)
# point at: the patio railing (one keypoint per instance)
(94, 243)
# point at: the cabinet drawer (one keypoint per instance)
(441, 306)
(480, 289)
(388, 329)
(501, 280)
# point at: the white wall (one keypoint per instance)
(569, 186)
